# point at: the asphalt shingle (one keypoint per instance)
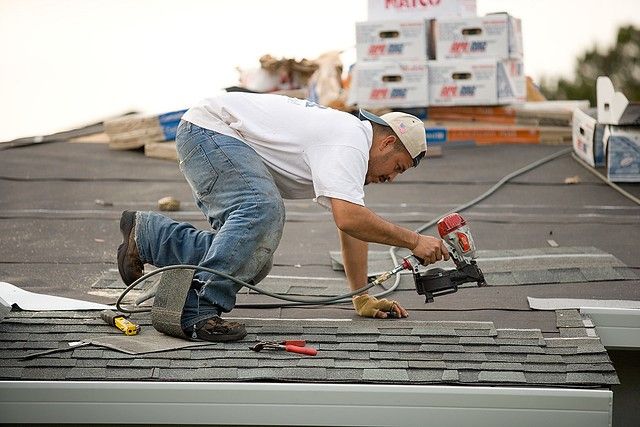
(400, 352)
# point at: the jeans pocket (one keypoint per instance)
(199, 172)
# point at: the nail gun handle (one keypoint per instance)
(309, 351)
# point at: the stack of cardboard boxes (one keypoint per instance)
(421, 53)
(137, 130)
(609, 136)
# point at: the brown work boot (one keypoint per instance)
(218, 330)
(129, 264)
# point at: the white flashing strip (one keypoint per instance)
(616, 327)
(299, 404)
(545, 256)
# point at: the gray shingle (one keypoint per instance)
(61, 363)
(562, 350)
(502, 376)
(86, 373)
(568, 319)
(568, 275)
(345, 375)
(274, 363)
(433, 331)
(501, 366)
(521, 349)
(432, 339)
(545, 377)
(525, 277)
(500, 278)
(425, 375)
(585, 378)
(521, 342)
(306, 374)
(477, 357)
(11, 373)
(584, 367)
(476, 332)
(426, 364)
(176, 374)
(316, 362)
(216, 374)
(596, 274)
(586, 358)
(442, 348)
(573, 332)
(545, 367)
(387, 375)
(477, 340)
(571, 342)
(399, 347)
(358, 346)
(394, 355)
(450, 375)
(44, 374)
(128, 373)
(543, 358)
(468, 377)
(519, 333)
(357, 364)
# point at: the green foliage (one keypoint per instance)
(621, 63)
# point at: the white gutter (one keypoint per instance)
(616, 327)
(300, 404)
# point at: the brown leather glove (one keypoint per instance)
(368, 306)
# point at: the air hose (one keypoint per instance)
(338, 298)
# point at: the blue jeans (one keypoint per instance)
(237, 194)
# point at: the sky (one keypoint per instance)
(67, 63)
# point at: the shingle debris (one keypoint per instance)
(368, 351)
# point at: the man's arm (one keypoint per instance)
(354, 256)
(362, 224)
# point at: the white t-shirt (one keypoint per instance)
(310, 150)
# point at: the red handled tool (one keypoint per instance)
(293, 346)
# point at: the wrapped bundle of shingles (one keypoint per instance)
(136, 131)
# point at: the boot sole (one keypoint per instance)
(127, 221)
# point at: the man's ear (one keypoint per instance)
(387, 141)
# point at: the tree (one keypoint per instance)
(621, 63)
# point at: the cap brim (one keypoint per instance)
(364, 114)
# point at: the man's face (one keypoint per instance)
(386, 162)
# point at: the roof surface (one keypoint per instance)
(57, 240)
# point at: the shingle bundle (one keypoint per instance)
(134, 131)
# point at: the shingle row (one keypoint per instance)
(402, 352)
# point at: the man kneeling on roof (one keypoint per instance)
(242, 154)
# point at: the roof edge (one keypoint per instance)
(299, 404)
(617, 328)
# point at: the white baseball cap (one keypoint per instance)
(409, 129)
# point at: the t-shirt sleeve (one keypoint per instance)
(338, 172)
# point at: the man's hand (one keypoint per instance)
(430, 249)
(369, 306)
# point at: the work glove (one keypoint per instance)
(368, 306)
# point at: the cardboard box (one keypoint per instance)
(380, 10)
(587, 137)
(496, 35)
(478, 82)
(391, 84)
(623, 153)
(391, 40)
(613, 107)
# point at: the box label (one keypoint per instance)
(399, 9)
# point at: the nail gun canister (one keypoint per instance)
(454, 230)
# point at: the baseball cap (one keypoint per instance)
(409, 129)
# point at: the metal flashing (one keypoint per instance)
(300, 404)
